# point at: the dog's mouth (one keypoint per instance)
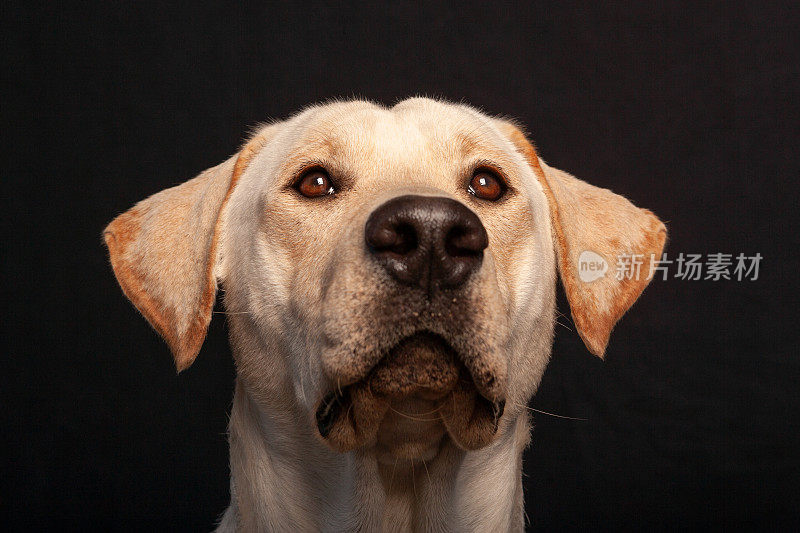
(422, 369)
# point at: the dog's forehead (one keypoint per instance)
(415, 130)
(416, 114)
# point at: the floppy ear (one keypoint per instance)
(588, 222)
(164, 251)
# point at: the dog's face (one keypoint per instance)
(392, 251)
(389, 274)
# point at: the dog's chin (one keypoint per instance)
(418, 393)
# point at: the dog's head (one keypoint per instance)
(389, 274)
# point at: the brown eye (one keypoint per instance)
(486, 186)
(315, 183)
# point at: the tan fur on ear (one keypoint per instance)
(590, 219)
(163, 252)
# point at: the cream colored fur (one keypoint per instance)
(308, 311)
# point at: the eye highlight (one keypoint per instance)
(486, 186)
(315, 183)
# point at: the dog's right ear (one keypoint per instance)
(164, 251)
(590, 220)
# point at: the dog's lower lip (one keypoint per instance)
(327, 412)
(330, 409)
(431, 379)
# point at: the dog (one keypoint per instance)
(389, 280)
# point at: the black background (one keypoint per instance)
(690, 111)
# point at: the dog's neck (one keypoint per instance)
(284, 479)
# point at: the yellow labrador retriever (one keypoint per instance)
(390, 280)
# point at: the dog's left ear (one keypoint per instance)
(165, 250)
(596, 231)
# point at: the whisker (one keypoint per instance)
(303, 388)
(347, 414)
(413, 482)
(563, 325)
(427, 473)
(391, 478)
(553, 414)
(429, 412)
(559, 314)
(411, 417)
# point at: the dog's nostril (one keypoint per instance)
(461, 242)
(405, 239)
(399, 238)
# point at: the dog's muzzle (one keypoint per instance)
(430, 247)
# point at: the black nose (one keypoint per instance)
(426, 241)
